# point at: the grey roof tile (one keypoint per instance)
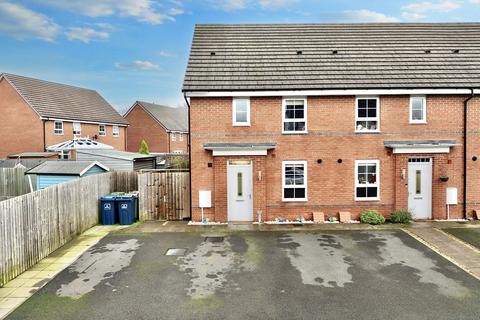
(174, 119)
(264, 57)
(60, 167)
(55, 100)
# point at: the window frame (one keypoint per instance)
(60, 131)
(305, 115)
(424, 111)
(377, 118)
(180, 136)
(173, 136)
(235, 123)
(305, 180)
(79, 127)
(115, 131)
(377, 184)
(104, 132)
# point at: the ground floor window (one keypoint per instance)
(294, 180)
(367, 177)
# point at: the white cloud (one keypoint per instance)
(138, 65)
(141, 10)
(419, 10)
(367, 16)
(175, 11)
(22, 23)
(236, 5)
(86, 34)
(166, 54)
(475, 1)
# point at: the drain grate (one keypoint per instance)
(176, 252)
(214, 239)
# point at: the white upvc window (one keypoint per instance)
(294, 115)
(58, 127)
(64, 155)
(294, 180)
(367, 114)
(418, 109)
(77, 128)
(180, 136)
(367, 180)
(102, 130)
(174, 136)
(241, 111)
(115, 131)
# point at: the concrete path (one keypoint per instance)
(465, 256)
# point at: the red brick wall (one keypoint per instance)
(21, 129)
(178, 145)
(88, 130)
(331, 137)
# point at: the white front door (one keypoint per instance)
(420, 187)
(239, 190)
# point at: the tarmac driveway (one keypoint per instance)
(259, 275)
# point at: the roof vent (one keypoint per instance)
(428, 51)
(299, 52)
(335, 52)
(212, 53)
(455, 51)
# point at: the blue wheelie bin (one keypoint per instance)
(126, 209)
(108, 209)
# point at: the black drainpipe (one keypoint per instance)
(465, 128)
(189, 154)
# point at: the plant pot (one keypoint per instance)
(444, 178)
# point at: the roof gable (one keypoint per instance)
(60, 101)
(334, 56)
(75, 168)
(172, 119)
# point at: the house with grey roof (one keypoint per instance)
(163, 128)
(307, 121)
(38, 113)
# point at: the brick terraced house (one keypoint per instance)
(37, 114)
(295, 119)
(165, 129)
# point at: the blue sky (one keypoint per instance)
(138, 49)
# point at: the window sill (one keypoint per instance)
(418, 122)
(367, 131)
(294, 200)
(295, 132)
(58, 134)
(241, 125)
(367, 199)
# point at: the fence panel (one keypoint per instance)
(14, 182)
(164, 195)
(35, 224)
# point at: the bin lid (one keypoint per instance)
(108, 197)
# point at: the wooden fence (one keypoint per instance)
(14, 182)
(34, 225)
(164, 195)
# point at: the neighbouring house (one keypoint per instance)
(119, 160)
(50, 173)
(68, 149)
(165, 129)
(295, 119)
(38, 113)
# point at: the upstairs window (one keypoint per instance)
(58, 127)
(174, 136)
(367, 177)
(115, 131)
(418, 109)
(367, 115)
(294, 115)
(294, 180)
(77, 128)
(102, 131)
(241, 112)
(181, 136)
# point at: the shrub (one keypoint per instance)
(371, 217)
(144, 148)
(400, 216)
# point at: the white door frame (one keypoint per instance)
(420, 188)
(247, 199)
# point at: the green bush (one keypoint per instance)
(144, 148)
(371, 217)
(400, 216)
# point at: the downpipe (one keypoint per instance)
(465, 128)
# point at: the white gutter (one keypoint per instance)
(347, 92)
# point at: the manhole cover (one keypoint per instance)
(214, 239)
(175, 252)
